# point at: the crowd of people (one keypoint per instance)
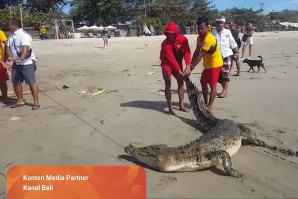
(218, 48)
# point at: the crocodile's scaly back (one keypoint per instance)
(204, 118)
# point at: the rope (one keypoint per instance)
(82, 120)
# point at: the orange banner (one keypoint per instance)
(76, 182)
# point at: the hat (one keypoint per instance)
(222, 19)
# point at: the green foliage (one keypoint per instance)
(153, 12)
(241, 16)
(31, 18)
(96, 11)
(285, 15)
(160, 12)
(43, 5)
(35, 12)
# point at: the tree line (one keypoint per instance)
(154, 12)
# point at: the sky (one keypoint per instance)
(269, 5)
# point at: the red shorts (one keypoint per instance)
(210, 76)
(167, 71)
(3, 75)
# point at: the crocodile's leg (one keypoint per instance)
(227, 164)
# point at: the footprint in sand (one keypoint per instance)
(165, 181)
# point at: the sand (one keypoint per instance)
(76, 129)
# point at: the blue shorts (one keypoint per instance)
(23, 72)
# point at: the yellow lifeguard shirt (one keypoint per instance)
(213, 60)
(43, 30)
(3, 39)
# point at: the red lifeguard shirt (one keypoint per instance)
(172, 54)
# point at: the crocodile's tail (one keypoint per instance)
(263, 144)
(204, 118)
(252, 139)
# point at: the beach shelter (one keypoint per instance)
(96, 28)
(101, 28)
(84, 28)
(110, 28)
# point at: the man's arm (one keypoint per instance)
(197, 55)
(233, 43)
(170, 57)
(8, 66)
(196, 58)
(24, 52)
(187, 53)
(8, 53)
(25, 42)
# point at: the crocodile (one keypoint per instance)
(221, 139)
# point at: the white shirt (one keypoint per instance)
(18, 39)
(226, 42)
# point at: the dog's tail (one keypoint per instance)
(261, 58)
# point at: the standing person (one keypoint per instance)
(236, 35)
(3, 70)
(43, 33)
(248, 39)
(23, 67)
(208, 49)
(173, 49)
(105, 38)
(226, 42)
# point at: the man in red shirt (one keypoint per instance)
(173, 49)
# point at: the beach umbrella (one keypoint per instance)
(110, 28)
(101, 28)
(95, 28)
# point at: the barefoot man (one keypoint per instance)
(208, 49)
(173, 49)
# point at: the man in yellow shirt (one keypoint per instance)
(207, 49)
(3, 70)
(43, 33)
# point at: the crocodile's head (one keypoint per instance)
(130, 149)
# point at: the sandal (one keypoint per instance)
(17, 105)
(222, 95)
(35, 106)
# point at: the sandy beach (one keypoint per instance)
(77, 129)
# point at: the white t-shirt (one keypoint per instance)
(226, 42)
(18, 39)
